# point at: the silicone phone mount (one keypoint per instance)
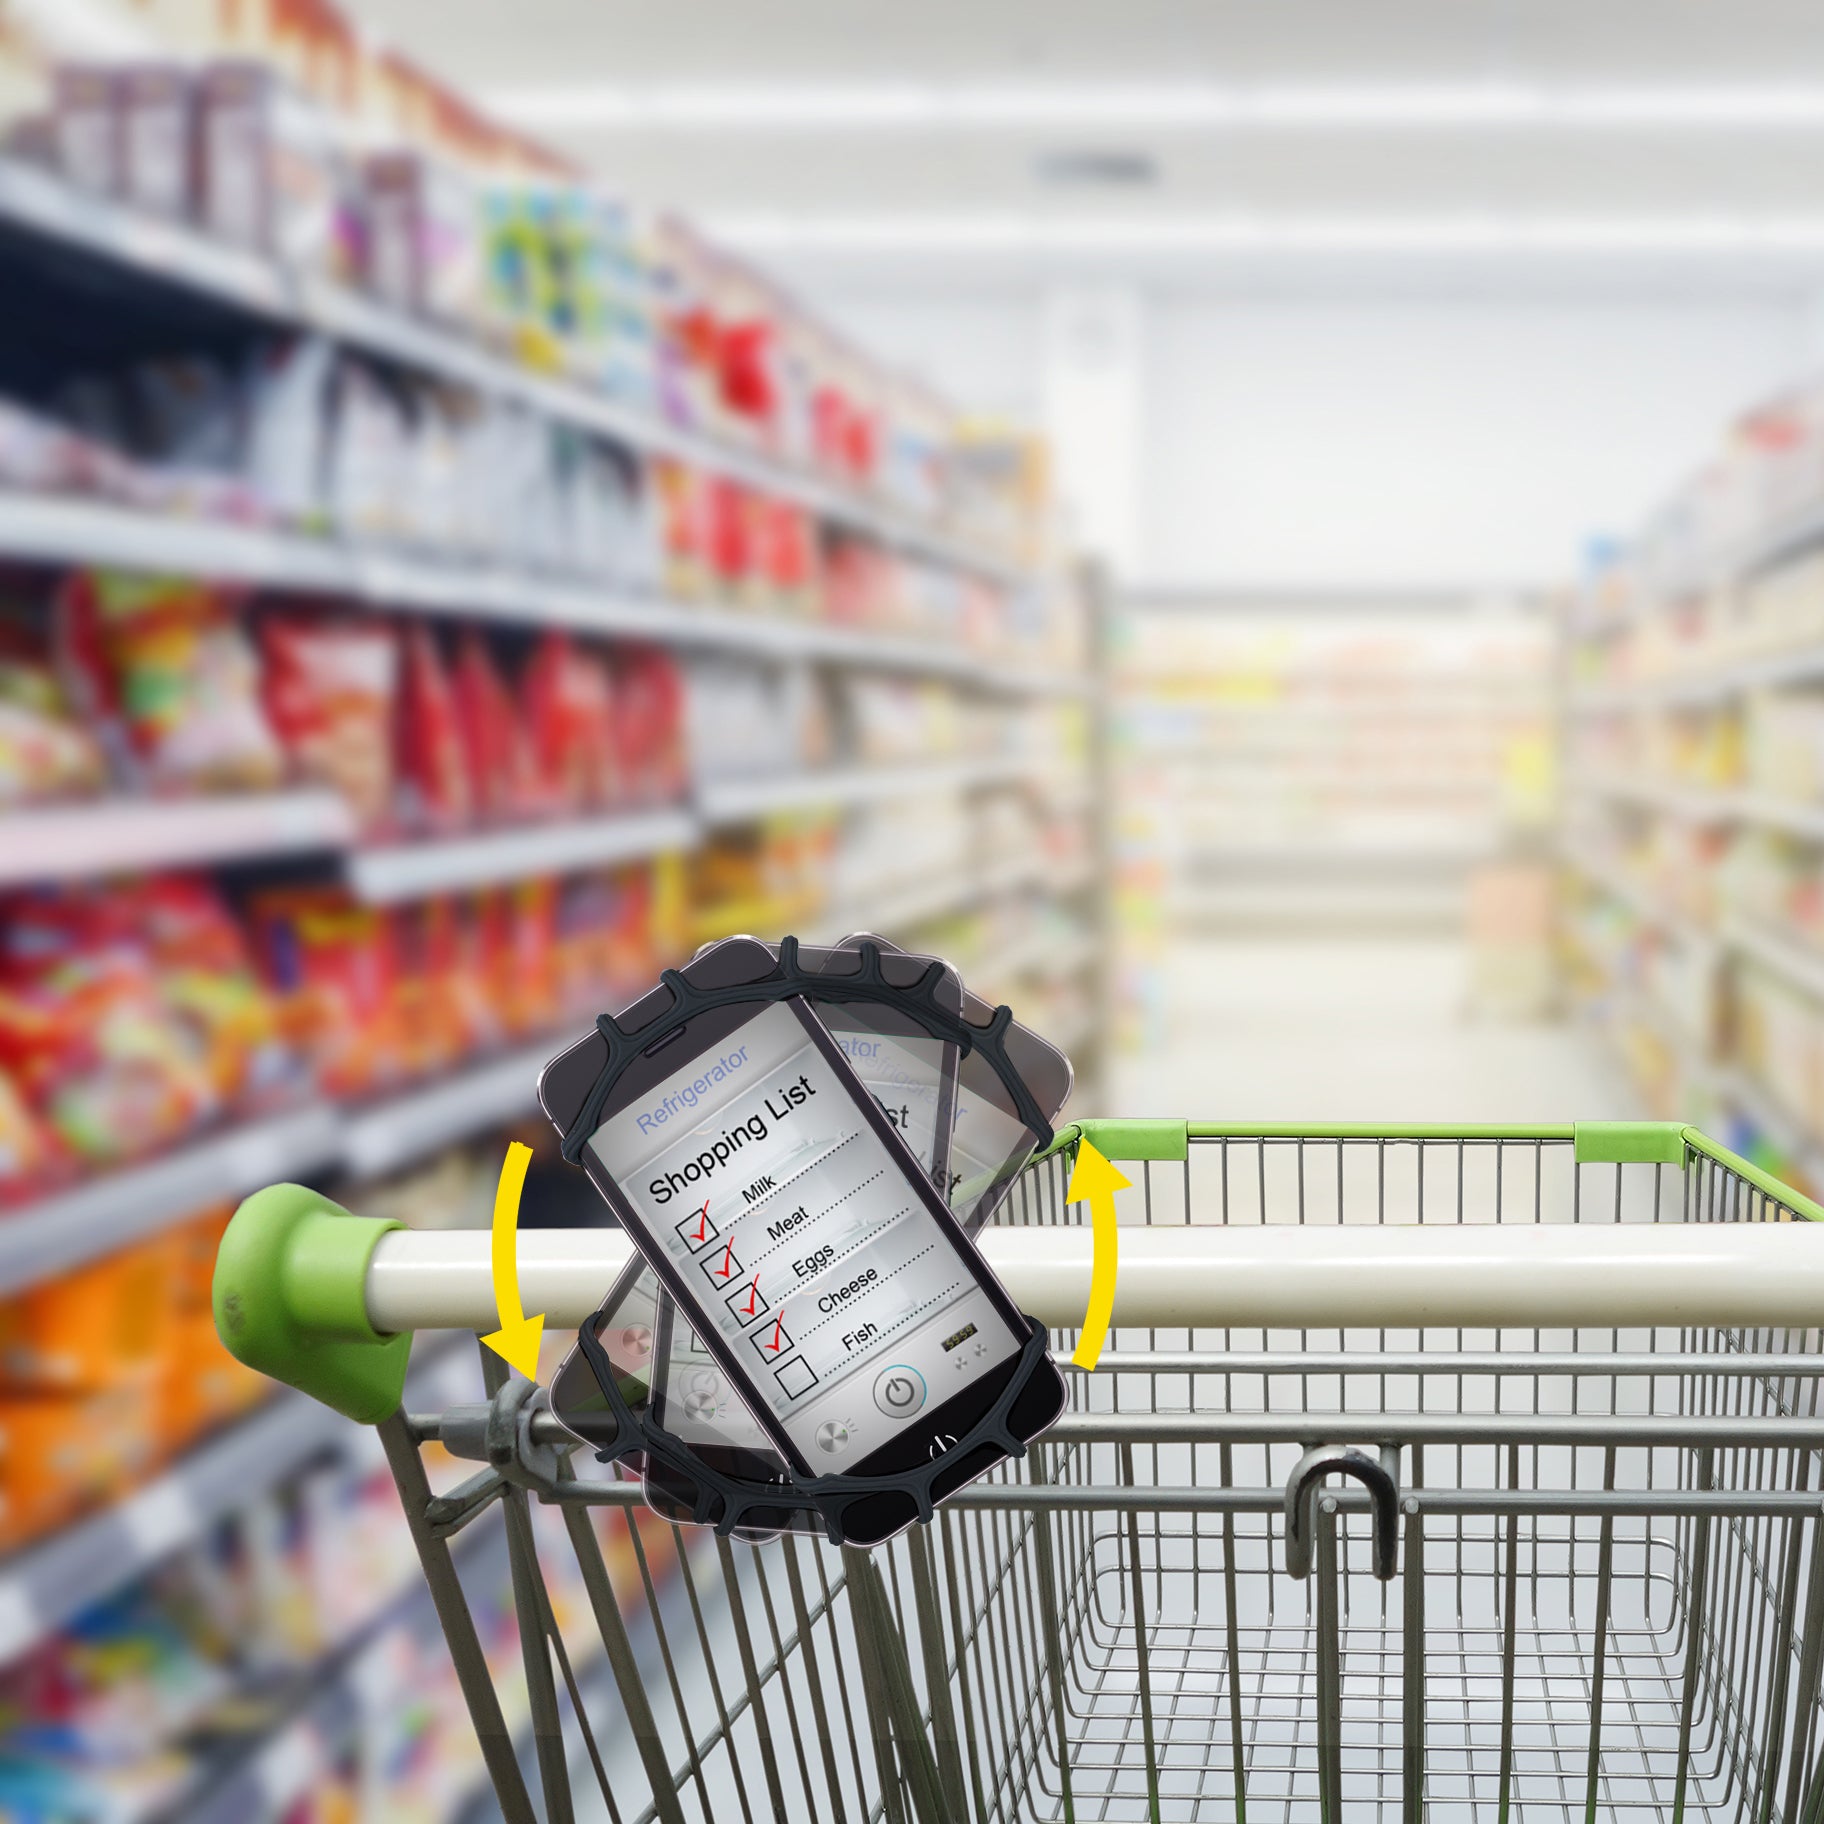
(784, 981)
(828, 1496)
(831, 1495)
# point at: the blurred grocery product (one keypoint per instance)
(404, 543)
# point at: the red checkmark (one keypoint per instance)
(728, 1262)
(778, 1331)
(753, 1292)
(702, 1224)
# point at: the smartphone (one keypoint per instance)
(908, 1071)
(804, 1242)
(990, 1141)
(650, 1352)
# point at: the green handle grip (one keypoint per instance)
(291, 1301)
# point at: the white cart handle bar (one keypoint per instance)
(328, 1301)
(1712, 1275)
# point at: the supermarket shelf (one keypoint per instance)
(171, 254)
(912, 902)
(118, 834)
(728, 801)
(389, 1134)
(1695, 804)
(1711, 806)
(1322, 904)
(348, 1684)
(399, 871)
(121, 1206)
(1804, 665)
(1046, 962)
(54, 529)
(757, 917)
(1764, 548)
(65, 841)
(1800, 963)
(1744, 1092)
(1331, 846)
(1791, 815)
(45, 1586)
(1639, 900)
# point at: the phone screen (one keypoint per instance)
(755, 1173)
(910, 1074)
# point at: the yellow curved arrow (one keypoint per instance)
(1092, 1178)
(516, 1341)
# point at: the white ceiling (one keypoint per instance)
(485, 43)
(1353, 177)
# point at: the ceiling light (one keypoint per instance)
(1180, 106)
(1241, 234)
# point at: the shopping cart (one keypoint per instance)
(1448, 1473)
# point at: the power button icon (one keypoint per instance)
(899, 1391)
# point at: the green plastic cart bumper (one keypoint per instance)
(291, 1300)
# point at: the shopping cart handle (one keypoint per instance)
(290, 1300)
(1375, 1474)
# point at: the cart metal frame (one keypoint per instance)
(1418, 1572)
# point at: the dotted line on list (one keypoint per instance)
(793, 1238)
(747, 1209)
(845, 1308)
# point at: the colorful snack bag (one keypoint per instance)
(444, 1007)
(503, 774)
(647, 729)
(206, 973)
(334, 967)
(433, 770)
(167, 671)
(569, 708)
(519, 943)
(329, 689)
(87, 1032)
(44, 751)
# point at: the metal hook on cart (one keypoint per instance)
(1376, 1474)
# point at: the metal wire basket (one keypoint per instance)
(1574, 1566)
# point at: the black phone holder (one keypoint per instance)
(718, 1499)
(723, 1501)
(786, 979)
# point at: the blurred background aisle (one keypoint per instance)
(1288, 543)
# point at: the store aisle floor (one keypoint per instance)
(1354, 1030)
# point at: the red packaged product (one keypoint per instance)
(628, 950)
(443, 1011)
(333, 966)
(648, 725)
(830, 427)
(730, 532)
(787, 553)
(329, 684)
(750, 387)
(503, 777)
(682, 495)
(433, 770)
(569, 710)
(86, 1031)
(207, 978)
(584, 922)
(519, 941)
(29, 1158)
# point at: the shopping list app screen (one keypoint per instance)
(905, 1076)
(803, 1244)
